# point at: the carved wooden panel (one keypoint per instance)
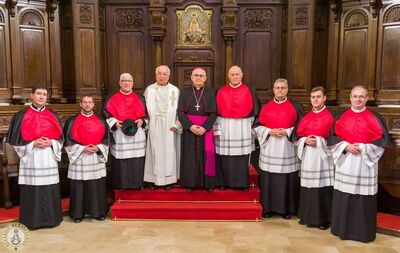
(388, 69)
(299, 63)
(183, 74)
(355, 58)
(257, 51)
(86, 58)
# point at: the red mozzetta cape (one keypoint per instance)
(362, 127)
(274, 115)
(313, 123)
(37, 124)
(234, 102)
(122, 106)
(88, 130)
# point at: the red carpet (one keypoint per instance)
(180, 204)
(388, 223)
(12, 214)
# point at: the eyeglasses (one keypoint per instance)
(126, 81)
(197, 75)
(280, 88)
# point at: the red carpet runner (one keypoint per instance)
(177, 203)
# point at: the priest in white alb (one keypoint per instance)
(163, 142)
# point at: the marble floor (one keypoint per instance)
(271, 235)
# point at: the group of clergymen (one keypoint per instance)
(204, 139)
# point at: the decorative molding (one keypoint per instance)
(395, 123)
(129, 18)
(375, 5)
(356, 18)
(102, 18)
(85, 14)
(285, 19)
(2, 20)
(335, 7)
(392, 14)
(51, 9)
(11, 7)
(31, 17)
(301, 15)
(258, 18)
(158, 20)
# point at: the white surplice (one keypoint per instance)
(163, 145)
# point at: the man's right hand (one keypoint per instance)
(118, 125)
(354, 149)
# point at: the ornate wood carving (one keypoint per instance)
(11, 7)
(301, 15)
(392, 15)
(335, 8)
(158, 20)
(1, 17)
(356, 18)
(258, 18)
(85, 14)
(129, 18)
(194, 56)
(51, 8)
(375, 4)
(31, 17)
(395, 123)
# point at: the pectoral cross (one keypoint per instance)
(173, 98)
(197, 107)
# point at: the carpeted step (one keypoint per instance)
(388, 224)
(181, 194)
(187, 211)
(253, 176)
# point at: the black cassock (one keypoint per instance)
(192, 172)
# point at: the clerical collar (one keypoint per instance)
(87, 115)
(358, 111)
(194, 87)
(237, 86)
(163, 85)
(281, 101)
(125, 93)
(41, 109)
(320, 110)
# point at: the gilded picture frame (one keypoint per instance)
(194, 27)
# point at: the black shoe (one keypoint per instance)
(189, 189)
(324, 226)
(268, 215)
(210, 190)
(301, 222)
(141, 188)
(285, 216)
(222, 188)
(77, 220)
(168, 187)
(245, 189)
(101, 218)
(153, 187)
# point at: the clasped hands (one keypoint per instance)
(311, 141)
(197, 130)
(278, 132)
(355, 148)
(42, 142)
(90, 149)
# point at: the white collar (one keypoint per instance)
(320, 110)
(237, 86)
(123, 93)
(280, 102)
(87, 115)
(38, 109)
(358, 111)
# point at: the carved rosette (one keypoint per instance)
(392, 15)
(31, 17)
(158, 20)
(300, 15)
(129, 18)
(51, 9)
(85, 14)
(356, 18)
(258, 18)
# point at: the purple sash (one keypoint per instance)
(209, 166)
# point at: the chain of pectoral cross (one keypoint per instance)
(197, 100)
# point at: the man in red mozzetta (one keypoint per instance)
(197, 112)
(358, 137)
(279, 177)
(237, 106)
(36, 134)
(128, 151)
(87, 140)
(316, 173)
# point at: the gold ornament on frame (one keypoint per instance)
(194, 27)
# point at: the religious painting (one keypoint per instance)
(194, 27)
